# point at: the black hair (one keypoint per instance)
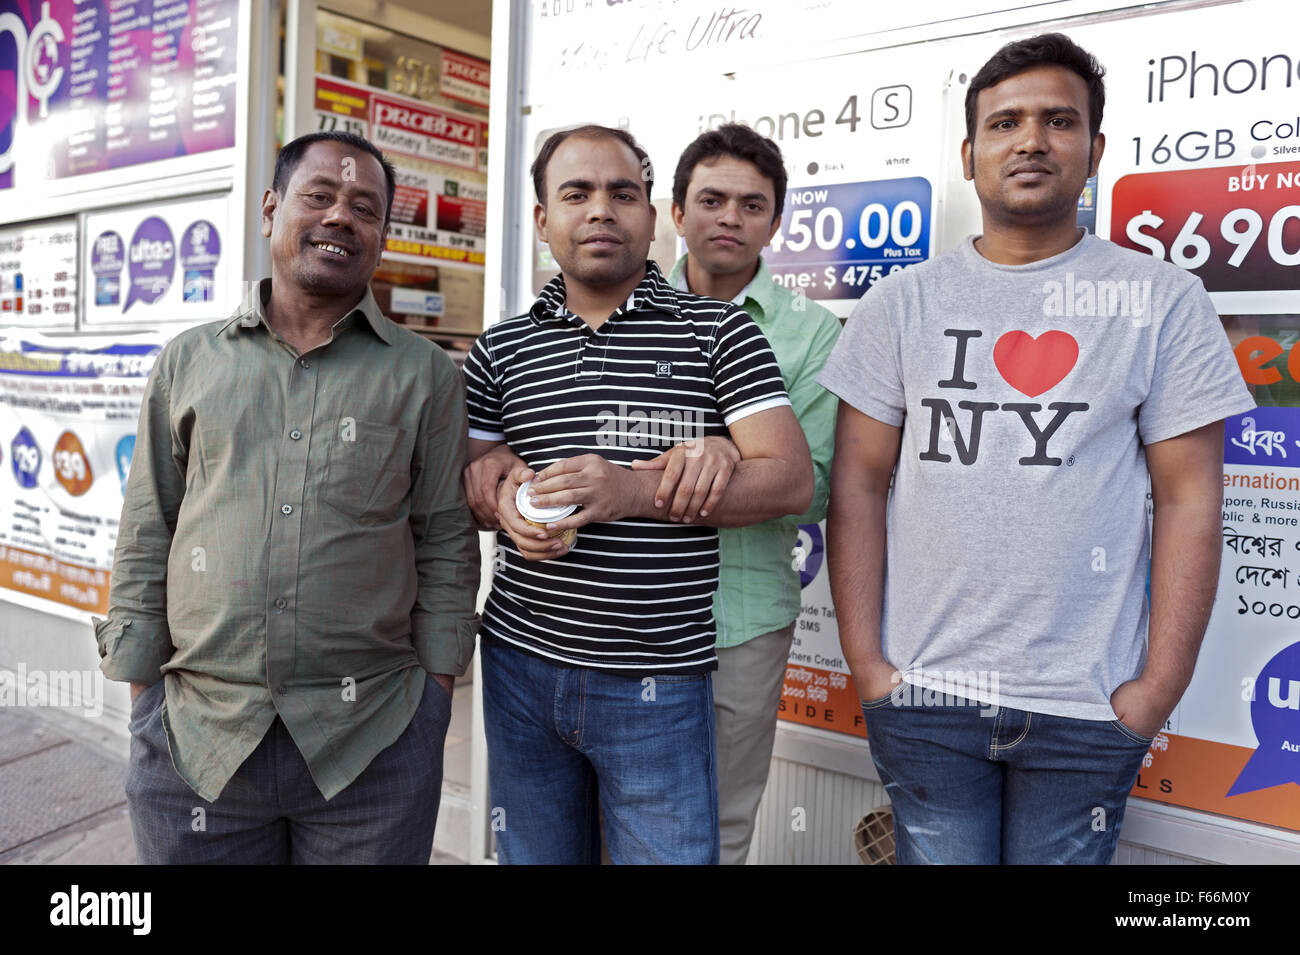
(588, 131)
(739, 142)
(1046, 49)
(290, 154)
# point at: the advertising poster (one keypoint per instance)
(466, 78)
(1202, 169)
(68, 414)
(861, 137)
(438, 217)
(440, 206)
(160, 262)
(106, 84)
(818, 690)
(38, 274)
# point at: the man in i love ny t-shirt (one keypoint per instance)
(1020, 388)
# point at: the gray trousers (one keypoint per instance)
(271, 811)
(746, 693)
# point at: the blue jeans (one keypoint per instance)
(559, 738)
(1004, 787)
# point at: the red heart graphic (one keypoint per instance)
(1034, 365)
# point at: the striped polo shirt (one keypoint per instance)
(632, 596)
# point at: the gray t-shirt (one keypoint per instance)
(1018, 547)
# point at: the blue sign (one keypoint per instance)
(836, 241)
(1263, 436)
(125, 451)
(1275, 717)
(26, 457)
(809, 553)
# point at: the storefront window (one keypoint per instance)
(425, 106)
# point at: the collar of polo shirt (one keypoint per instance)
(653, 292)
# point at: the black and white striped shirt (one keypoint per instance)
(632, 596)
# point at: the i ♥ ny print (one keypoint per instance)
(1035, 365)
(1032, 366)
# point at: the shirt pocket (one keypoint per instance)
(368, 471)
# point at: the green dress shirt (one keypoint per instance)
(294, 542)
(758, 584)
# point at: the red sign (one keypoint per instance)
(346, 100)
(427, 132)
(410, 205)
(465, 78)
(1237, 227)
(465, 216)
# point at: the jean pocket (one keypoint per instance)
(677, 677)
(883, 701)
(1133, 735)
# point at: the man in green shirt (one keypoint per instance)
(294, 581)
(728, 193)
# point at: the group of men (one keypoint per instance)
(297, 563)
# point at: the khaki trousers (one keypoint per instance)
(746, 693)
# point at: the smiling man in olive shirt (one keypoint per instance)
(294, 581)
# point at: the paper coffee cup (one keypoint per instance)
(541, 516)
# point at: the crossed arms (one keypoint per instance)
(763, 472)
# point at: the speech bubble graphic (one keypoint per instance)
(152, 262)
(814, 548)
(122, 455)
(1275, 717)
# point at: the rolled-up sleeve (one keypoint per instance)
(443, 622)
(135, 641)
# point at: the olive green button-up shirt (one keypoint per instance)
(758, 582)
(294, 542)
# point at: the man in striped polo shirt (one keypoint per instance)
(596, 657)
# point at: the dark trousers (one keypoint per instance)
(271, 811)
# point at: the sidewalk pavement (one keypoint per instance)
(62, 799)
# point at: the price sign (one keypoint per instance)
(26, 457)
(70, 465)
(342, 107)
(836, 241)
(1237, 227)
(333, 122)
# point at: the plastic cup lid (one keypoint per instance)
(539, 515)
